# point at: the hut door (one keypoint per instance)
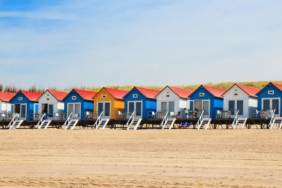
(44, 108)
(198, 105)
(206, 108)
(107, 109)
(23, 111)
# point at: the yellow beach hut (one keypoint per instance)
(109, 101)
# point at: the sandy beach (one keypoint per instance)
(143, 158)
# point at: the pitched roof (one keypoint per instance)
(32, 96)
(6, 96)
(86, 95)
(216, 92)
(148, 93)
(278, 86)
(117, 94)
(182, 93)
(249, 90)
(59, 95)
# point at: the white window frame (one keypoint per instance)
(20, 99)
(21, 110)
(73, 98)
(104, 108)
(80, 115)
(279, 101)
(201, 94)
(135, 96)
(270, 92)
(104, 96)
(135, 107)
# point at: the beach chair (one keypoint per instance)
(182, 125)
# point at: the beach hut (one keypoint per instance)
(173, 99)
(269, 98)
(110, 101)
(241, 98)
(51, 103)
(25, 103)
(79, 102)
(141, 100)
(208, 99)
(5, 105)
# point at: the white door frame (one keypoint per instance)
(270, 105)
(20, 118)
(134, 102)
(73, 109)
(209, 112)
(103, 102)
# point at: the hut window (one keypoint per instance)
(20, 99)
(135, 95)
(167, 95)
(47, 99)
(202, 94)
(73, 97)
(103, 96)
(235, 94)
(271, 92)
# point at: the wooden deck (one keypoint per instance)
(261, 123)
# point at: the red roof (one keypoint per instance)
(182, 93)
(86, 95)
(59, 95)
(215, 91)
(32, 96)
(277, 85)
(117, 94)
(249, 90)
(6, 96)
(148, 93)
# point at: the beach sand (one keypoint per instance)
(142, 158)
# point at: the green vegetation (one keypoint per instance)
(222, 85)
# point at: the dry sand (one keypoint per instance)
(142, 158)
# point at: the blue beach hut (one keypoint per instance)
(208, 99)
(25, 103)
(141, 101)
(78, 102)
(269, 98)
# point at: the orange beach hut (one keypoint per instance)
(109, 101)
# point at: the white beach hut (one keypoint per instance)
(5, 105)
(241, 98)
(51, 102)
(173, 99)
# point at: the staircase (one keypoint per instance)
(71, 124)
(134, 124)
(240, 121)
(102, 123)
(40, 121)
(169, 123)
(44, 124)
(205, 123)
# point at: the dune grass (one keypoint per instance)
(222, 85)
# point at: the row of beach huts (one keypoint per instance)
(145, 103)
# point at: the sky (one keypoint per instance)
(91, 43)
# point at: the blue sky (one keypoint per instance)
(67, 43)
